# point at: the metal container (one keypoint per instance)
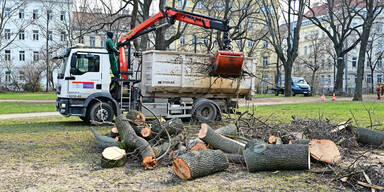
(174, 74)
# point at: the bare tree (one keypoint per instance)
(336, 20)
(368, 11)
(284, 38)
(374, 56)
(313, 61)
(33, 74)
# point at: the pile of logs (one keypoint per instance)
(214, 149)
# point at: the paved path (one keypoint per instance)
(285, 100)
(28, 115)
(29, 100)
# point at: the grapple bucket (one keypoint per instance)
(227, 64)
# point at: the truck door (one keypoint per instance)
(85, 76)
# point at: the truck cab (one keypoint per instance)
(83, 85)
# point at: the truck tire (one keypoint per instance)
(101, 112)
(85, 119)
(205, 112)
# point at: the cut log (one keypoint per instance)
(199, 163)
(173, 126)
(113, 157)
(274, 140)
(228, 130)
(217, 141)
(196, 144)
(180, 151)
(235, 158)
(324, 150)
(369, 136)
(299, 141)
(142, 130)
(104, 141)
(267, 157)
(131, 141)
(293, 136)
(161, 149)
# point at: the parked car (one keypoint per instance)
(299, 86)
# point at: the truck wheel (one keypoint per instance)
(205, 112)
(101, 112)
(85, 119)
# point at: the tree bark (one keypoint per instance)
(161, 149)
(288, 80)
(265, 157)
(196, 144)
(217, 141)
(339, 75)
(130, 141)
(235, 158)
(228, 130)
(199, 163)
(173, 126)
(104, 141)
(300, 141)
(369, 136)
(113, 157)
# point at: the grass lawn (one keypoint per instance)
(34, 96)
(336, 111)
(25, 107)
(273, 95)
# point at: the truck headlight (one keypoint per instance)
(63, 105)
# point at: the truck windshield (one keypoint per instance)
(62, 68)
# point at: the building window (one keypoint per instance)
(8, 76)
(322, 63)
(199, 5)
(7, 12)
(36, 35)
(21, 75)
(102, 42)
(7, 34)
(50, 37)
(194, 39)
(369, 78)
(182, 40)
(62, 15)
(379, 78)
(380, 28)
(265, 45)
(250, 43)
(63, 36)
(379, 62)
(92, 41)
(81, 39)
(35, 14)
(21, 35)
(379, 45)
(21, 13)
(329, 80)
(35, 56)
(265, 61)
(250, 25)
(354, 61)
(21, 55)
(180, 3)
(49, 14)
(305, 50)
(7, 56)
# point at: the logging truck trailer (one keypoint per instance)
(170, 84)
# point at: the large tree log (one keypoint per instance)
(369, 136)
(235, 158)
(131, 141)
(196, 144)
(299, 141)
(173, 126)
(266, 157)
(113, 157)
(217, 141)
(228, 130)
(104, 141)
(199, 163)
(324, 150)
(161, 149)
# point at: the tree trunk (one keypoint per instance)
(339, 75)
(372, 86)
(217, 141)
(300, 141)
(130, 141)
(235, 158)
(369, 136)
(228, 130)
(104, 141)
(199, 163)
(113, 157)
(313, 82)
(288, 80)
(196, 144)
(265, 157)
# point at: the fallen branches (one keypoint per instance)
(104, 141)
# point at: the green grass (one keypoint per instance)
(25, 107)
(33, 96)
(335, 111)
(272, 95)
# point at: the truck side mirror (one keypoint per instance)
(73, 61)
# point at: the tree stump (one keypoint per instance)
(228, 130)
(208, 135)
(130, 141)
(104, 141)
(369, 136)
(113, 157)
(267, 157)
(324, 150)
(199, 163)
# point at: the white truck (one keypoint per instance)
(171, 84)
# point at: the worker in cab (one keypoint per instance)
(112, 51)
